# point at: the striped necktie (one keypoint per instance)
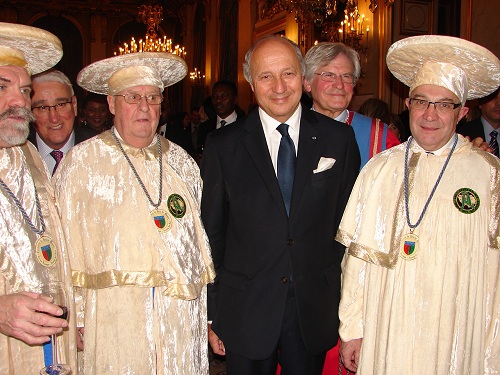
(494, 142)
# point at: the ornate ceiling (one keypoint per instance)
(122, 8)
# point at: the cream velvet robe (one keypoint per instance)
(19, 268)
(143, 293)
(439, 313)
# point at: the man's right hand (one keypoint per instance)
(30, 317)
(216, 344)
(349, 353)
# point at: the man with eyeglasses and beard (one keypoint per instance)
(130, 200)
(420, 287)
(55, 107)
(32, 252)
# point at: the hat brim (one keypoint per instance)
(482, 67)
(94, 77)
(41, 49)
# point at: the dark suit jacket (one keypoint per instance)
(472, 129)
(81, 134)
(205, 128)
(180, 136)
(256, 247)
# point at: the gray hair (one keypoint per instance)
(322, 54)
(248, 55)
(53, 75)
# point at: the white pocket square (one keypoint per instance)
(324, 164)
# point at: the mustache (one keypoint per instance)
(24, 113)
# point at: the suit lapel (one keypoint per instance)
(256, 145)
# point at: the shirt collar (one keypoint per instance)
(45, 150)
(270, 124)
(229, 119)
(417, 148)
(342, 117)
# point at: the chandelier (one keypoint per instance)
(151, 16)
(196, 77)
(337, 20)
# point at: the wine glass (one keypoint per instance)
(57, 291)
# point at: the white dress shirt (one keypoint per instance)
(45, 150)
(273, 136)
(229, 119)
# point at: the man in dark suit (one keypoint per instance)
(271, 206)
(224, 101)
(54, 105)
(487, 126)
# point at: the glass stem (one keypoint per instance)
(55, 360)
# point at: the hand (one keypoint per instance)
(80, 331)
(349, 353)
(480, 143)
(216, 344)
(30, 317)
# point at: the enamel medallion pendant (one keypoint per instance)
(45, 250)
(161, 219)
(409, 246)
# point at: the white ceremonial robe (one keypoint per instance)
(440, 312)
(21, 168)
(143, 300)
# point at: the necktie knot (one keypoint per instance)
(494, 142)
(223, 123)
(57, 155)
(283, 129)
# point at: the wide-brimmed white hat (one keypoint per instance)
(35, 49)
(467, 69)
(111, 75)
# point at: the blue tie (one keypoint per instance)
(494, 142)
(286, 165)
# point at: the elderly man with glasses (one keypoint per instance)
(55, 107)
(130, 205)
(420, 286)
(332, 71)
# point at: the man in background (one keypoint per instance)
(55, 108)
(224, 100)
(332, 71)
(487, 126)
(194, 125)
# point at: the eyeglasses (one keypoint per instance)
(151, 99)
(61, 108)
(439, 106)
(332, 77)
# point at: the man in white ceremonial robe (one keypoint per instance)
(130, 204)
(421, 274)
(32, 250)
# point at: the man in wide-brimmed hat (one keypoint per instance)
(129, 201)
(32, 252)
(420, 289)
